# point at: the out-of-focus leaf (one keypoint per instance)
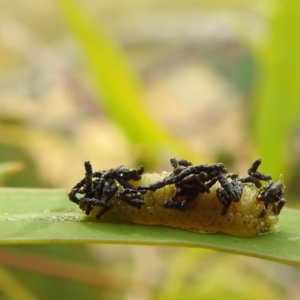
(46, 216)
(7, 169)
(275, 47)
(201, 269)
(254, 5)
(12, 288)
(278, 93)
(119, 89)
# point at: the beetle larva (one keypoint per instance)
(203, 198)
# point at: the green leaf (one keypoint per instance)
(118, 87)
(47, 216)
(8, 169)
(277, 99)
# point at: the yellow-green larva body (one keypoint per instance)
(242, 219)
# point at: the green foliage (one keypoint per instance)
(8, 169)
(46, 216)
(277, 104)
(118, 88)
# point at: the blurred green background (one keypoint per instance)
(138, 82)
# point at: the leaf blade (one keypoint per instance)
(46, 216)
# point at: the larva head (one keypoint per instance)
(272, 192)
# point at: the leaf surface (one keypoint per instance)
(30, 216)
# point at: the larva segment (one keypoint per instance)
(242, 219)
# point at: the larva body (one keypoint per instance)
(196, 198)
(242, 219)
